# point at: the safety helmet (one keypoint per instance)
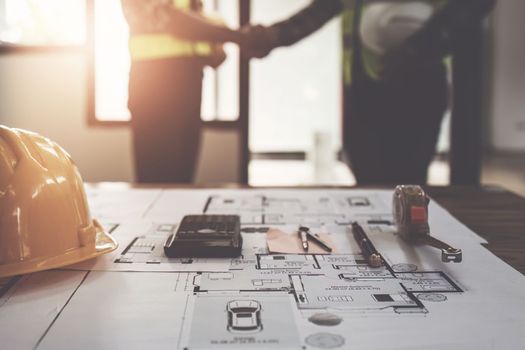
(44, 217)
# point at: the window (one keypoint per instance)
(220, 89)
(112, 63)
(42, 23)
(296, 91)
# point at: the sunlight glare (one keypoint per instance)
(112, 61)
(49, 22)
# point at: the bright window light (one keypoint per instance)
(43, 22)
(295, 92)
(112, 64)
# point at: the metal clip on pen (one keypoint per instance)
(302, 233)
(410, 206)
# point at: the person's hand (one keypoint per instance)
(258, 41)
(217, 57)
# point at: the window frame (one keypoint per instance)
(92, 119)
(239, 125)
(7, 48)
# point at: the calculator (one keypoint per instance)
(213, 236)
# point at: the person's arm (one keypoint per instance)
(259, 40)
(160, 16)
(306, 21)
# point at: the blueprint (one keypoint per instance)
(136, 298)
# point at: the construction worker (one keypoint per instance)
(170, 43)
(395, 80)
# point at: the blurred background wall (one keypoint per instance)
(45, 92)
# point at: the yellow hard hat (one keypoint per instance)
(44, 217)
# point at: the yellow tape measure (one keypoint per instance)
(410, 209)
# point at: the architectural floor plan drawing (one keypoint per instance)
(264, 303)
(142, 249)
(342, 282)
(137, 298)
(280, 210)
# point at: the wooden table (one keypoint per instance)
(492, 212)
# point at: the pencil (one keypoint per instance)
(303, 238)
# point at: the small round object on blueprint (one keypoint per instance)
(404, 267)
(434, 297)
(325, 340)
(325, 319)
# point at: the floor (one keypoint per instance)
(507, 170)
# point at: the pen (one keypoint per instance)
(315, 238)
(303, 237)
(372, 256)
(319, 241)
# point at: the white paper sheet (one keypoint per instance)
(288, 301)
(121, 310)
(29, 307)
(119, 202)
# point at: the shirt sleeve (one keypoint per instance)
(306, 21)
(160, 16)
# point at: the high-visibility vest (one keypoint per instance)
(164, 45)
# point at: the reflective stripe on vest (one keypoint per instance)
(348, 45)
(163, 45)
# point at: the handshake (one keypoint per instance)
(257, 41)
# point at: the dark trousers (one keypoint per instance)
(165, 102)
(391, 127)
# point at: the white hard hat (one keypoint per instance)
(44, 217)
(386, 25)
